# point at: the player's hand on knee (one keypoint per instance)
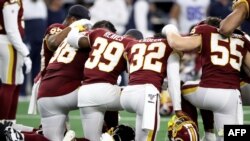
(106, 137)
(28, 64)
(81, 25)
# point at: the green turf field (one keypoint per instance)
(127, 118)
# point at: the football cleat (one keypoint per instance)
(69, 136)
(6, 123)
(13, 135)
(182, 129)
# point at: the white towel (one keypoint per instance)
(32, 110)
(151, 108)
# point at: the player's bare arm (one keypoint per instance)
(83, 42)
(179, 42)
(234, 20)
(173, 74)
(54, 40)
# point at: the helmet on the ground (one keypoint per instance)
(182, 129)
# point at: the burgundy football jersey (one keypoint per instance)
(148, 61)
(46, 54)
(106, 61)
(19, 18)
(221, 58)
(65, 70)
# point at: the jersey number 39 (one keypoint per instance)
(105, 55)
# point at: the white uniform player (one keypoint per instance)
(186, 13)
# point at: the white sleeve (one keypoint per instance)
(173, 75)
(140, 15)
(10, 14)
(74, 37)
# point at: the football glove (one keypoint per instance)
(81, 25)
(238, 2)
(13, 135)
(28, 64)
(106, 137)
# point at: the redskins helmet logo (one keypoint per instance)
(182, 129)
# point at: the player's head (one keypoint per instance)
(134, 33)
(182, 129)
(104, 24)
(159, 36)
(76, 12)
(213, 21)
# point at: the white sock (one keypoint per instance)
(209, 137)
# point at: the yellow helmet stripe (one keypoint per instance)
(192, 132)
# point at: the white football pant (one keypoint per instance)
(133, 100)
(94, 100)
(54, 114)
(11, 63)
(226, 105)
